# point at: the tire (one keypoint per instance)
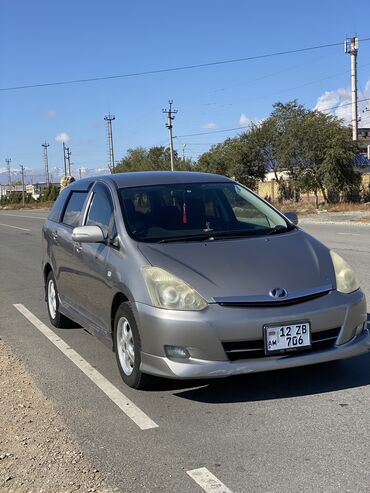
(127, 346)
(52, 301)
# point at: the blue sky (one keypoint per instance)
(46, 41)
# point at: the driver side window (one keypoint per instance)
(101, 211)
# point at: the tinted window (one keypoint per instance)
(57, 208)
(74, 207)
(101, 210)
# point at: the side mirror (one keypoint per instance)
(88, 234)
(292, 216)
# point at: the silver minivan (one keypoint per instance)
(192, 275)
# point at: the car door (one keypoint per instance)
(93, 282)
(63, 246)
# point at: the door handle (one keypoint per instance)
(54, 236)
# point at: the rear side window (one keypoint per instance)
(57, 208)
(74, 208)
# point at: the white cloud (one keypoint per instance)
(62, 137)
(51, 113)
(209, 125)
(337, 103)
(244, 121)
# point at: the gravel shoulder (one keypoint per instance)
(357, 218)
(37, 452)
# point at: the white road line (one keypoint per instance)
(19, 215)
(349, 234)
(207, 481)
(15, 227)
(124, 403)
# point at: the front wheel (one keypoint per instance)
(127, 346)
(52, 300)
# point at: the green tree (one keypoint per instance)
(238, 157)
(318, 152)
(153, 159)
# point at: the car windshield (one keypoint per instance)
(196, 212)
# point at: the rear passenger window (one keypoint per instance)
(74, 208)
(57, 208)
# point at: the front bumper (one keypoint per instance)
(203, 333)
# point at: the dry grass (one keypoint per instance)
(303, 207)
(350, 207)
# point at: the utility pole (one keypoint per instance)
(170, 112)
(68, 159)
(45, 145)
(22, 171)
(80, 172)
(183, 152)
(109, 118)
(8, 161)
(351, 47)
(64, 159)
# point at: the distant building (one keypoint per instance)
(38, 189)
(7, 190)
(364, 141)
(282, 175)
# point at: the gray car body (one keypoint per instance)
(233, 275)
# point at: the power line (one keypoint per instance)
(244, 128)
(286, 89)
(344, 104)
(212, 132)
(175, 69)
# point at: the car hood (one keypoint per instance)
(250, 266)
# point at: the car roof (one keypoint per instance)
(147, 178)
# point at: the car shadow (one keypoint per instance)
(280, 384)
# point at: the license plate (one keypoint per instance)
(285, 338)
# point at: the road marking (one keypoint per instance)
(19, 215)
(124, 403)
(349, 234)
(15, 227)
(207, 481)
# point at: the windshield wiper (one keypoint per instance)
(281, 229)
(211, 235)
(235, 234)
(186, 238)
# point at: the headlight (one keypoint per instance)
(346, 280)
(170, 292)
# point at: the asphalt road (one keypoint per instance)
(306, 429)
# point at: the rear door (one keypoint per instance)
(63, 246)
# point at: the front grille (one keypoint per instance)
(274, 303)
(325, 339)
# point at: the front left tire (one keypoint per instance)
(52, 300)
(127, 347)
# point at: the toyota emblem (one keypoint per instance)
(278, 293)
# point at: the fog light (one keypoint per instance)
(177, 352)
